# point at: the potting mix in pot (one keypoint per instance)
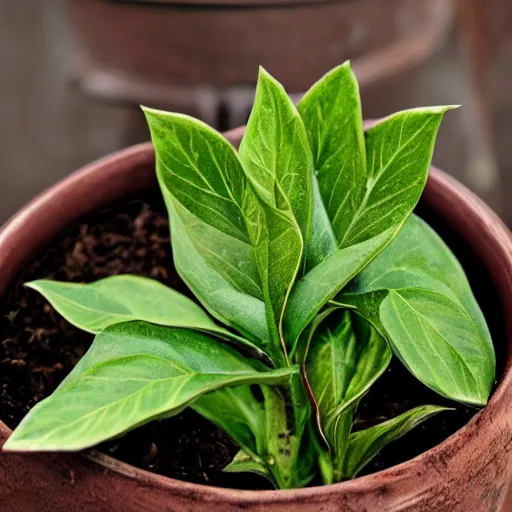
(328, 322)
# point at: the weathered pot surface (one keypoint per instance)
(470, 471)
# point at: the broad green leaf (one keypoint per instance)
(245, 463)
(419, 258)
(345, 358)
(204, 187)
(236, 309)
(237, 412)
(275, 153)
(364, 445)
(398, 154)
(322, 283)
(416, 294)
(331, 111)
(134, 372)
(200, 173)
(438, 341)
(117, 299)
(276, 157)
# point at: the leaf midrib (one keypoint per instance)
(424, 321)
(188, 376)
(371, 181)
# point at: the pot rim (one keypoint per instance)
(492, 230)
(233, 4)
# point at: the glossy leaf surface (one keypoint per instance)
(374, 200)
(134, 372)
(200, 172)
(277, 160)
(415, 292)
(94, 307)
(331, 111)
(346, 357)
(204, 187)
(275, 153)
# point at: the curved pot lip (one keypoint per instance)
(114, 166)
(233, 4)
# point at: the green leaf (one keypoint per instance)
(276, 157)
(236, 309)
(331, 111)
(134, 372)
(416, 294)
(203, 182)
(237, 412)
(366, 444)
(278, 252)
(275, 153)
(117, 299)
(438, 342)
(398, 154)
(323, 282)
(345, 358)
(323, 242)
(244, 463)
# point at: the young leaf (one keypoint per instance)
(364, 445)
(275, 153)
(244, 463)
(398, 154)
(277, 159)
(117, 299)
(199, 172)
(331, 111)
(134, 372)
(415, 292)
(345, 358)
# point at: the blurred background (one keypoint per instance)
(74, 71)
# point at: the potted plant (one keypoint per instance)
(303, 248)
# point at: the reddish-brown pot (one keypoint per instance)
(470, 471)
(200, 56)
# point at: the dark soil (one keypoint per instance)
(38, 349)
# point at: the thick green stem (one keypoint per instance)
(289, 456)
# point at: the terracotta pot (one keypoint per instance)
(200, 57)
(470, 471)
